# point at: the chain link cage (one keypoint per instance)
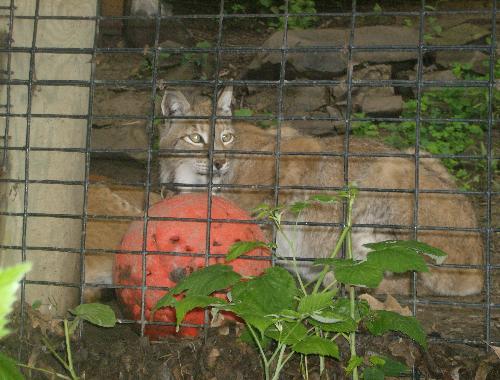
(219, 42)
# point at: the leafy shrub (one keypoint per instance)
(308, 319)
(447, 138)
(277, 7)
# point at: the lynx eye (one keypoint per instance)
(195, 138)
(227, 137)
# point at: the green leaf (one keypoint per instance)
(360, 274)
(9, 369)
(9, 283)
(435, 253)
(286, 332)
(371, 373)
(324, 198)
(203, 44)
(299, 206)
(95, 313)
(241, 247)
(354, 362)
(257, 300)
(269, 293)
(333, 322)
(398, 260)
(202, 282)
(315, 302)
(389, 366)
(252, 316)
(317, 345)
(247, 337)
(376, 360)
(408, 22)
(289, 315)
(189, 303)
(207, 280)
(243, 112)
(382, 321)
(167, 300)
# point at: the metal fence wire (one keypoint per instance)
(486, 307)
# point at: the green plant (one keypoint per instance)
(277, 7)
(447, 138)
(9, 284)
(305, 319)
(264, 124)
(198, 59)
(95, 313)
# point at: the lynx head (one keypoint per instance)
(194, 135)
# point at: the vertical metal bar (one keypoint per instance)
(350, 68)
(347, 121)
(87, 157)
(489, 181)
(154, 79)
(8, 87)
(279, 116)
(211, 145)
(26, 166)
(420, 66)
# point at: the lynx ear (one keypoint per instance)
(174, 103)
(224, 100)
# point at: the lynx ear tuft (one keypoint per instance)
(224, 100)
(174, 103)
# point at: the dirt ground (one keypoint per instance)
(120, 353)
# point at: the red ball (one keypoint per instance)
(188, 238)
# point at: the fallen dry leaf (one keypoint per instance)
(390, 304)
(496, 350)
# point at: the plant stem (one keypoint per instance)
(68, 351)
(48, 372)
(261, 350)
(294, 261)
(334, 253)
(352, 295)
(56, 355)
(280, 363)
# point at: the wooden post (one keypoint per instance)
(59, 234)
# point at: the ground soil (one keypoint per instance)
(120, 353)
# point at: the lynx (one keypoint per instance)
(374, 206)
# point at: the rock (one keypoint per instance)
(373, 72)
(370, 72)
(461, 34)
(121, 137)
(338, 125)
(262, 100)
(120, 101)
(474, 58)
(438, 75)
(325, 65)
(373, 92)
(301, 100)
(315, 127)
(140, 32)
(382, 105)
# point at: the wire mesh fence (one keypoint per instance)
(260, 55)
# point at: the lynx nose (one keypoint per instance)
(219, 164)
